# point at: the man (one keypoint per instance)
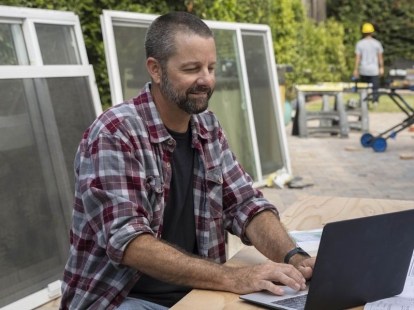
(369, 62)
(157, 186)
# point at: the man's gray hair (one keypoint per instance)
(159, 39)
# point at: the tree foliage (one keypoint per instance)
(317, 52)
(392, 19)
(322, 53)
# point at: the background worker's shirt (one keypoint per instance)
(123, 174)
(369, 49)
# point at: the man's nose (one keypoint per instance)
(206, 78)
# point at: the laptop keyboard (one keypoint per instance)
(297, 302)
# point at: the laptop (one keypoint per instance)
(359, 260)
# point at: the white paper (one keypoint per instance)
(392, 303)
(307, 239)
(408, 290)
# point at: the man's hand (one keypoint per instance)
(305, 266)
(268, 235)
(263, 277)
(356, 74)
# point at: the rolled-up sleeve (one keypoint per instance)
(241, 201)
(114, 195)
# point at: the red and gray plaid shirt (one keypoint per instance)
(123, 173)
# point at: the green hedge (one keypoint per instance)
(393, 21)
(317, 52)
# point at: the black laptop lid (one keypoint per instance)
(362, 260)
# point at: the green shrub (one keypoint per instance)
(318, 52)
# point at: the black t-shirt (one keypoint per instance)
(178, 223)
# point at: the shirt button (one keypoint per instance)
(170, 142)
(168, 165)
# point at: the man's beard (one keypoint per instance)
(182, 100)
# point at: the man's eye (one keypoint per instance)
(190, 69)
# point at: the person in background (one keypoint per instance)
(369, 62)
(157, 187)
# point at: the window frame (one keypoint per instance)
(33, 68)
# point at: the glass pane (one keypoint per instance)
(71, 101)
(129, 42)
(29, 197)
(12, 48)
(228, 101)
(268, 136)
(57, 44)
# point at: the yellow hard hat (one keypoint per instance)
(367, 28)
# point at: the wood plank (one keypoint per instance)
(312, 212)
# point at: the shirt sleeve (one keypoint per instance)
(241, 201)
(112, 188)
(358, 49)
(380, 48)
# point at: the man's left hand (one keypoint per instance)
(305, 266)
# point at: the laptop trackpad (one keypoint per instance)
(287, 301)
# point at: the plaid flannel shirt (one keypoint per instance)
(123, 175)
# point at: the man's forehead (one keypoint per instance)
(188, 42)
(186, 33)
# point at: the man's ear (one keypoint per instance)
(154, 69)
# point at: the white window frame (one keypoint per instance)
(274, 80)
(109, 18)
(35, 68)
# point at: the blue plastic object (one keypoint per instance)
(288, 113)
(379, 144)
(366, 139)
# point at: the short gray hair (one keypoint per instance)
(159, 39)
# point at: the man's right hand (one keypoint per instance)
(166, 263)
(264, 276)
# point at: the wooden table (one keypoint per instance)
(310, 212)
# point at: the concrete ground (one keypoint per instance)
(342, 167)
